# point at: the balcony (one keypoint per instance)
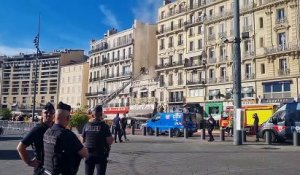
(98, 49)
(248, 54)
(282, 20)
(247, 7)
(180, 43)
(283, 72)
(217, 16)
(212, 80)
(223, 34)
(223, 59)
(249, 76)
(194, 63)
(211, 37)
(143, 100)
(169, 14)
(168, 65)
(169, 29)
(211, 60)
(162, 84)
(281, 48)
(247, 28)
(176, 100)
(195, 82)
(223, 79)
(89, 94)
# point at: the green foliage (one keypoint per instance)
(78, 119)
(6, 114)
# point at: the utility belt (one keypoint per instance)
(101, 153)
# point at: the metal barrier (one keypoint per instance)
(15, 127)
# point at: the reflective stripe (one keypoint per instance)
(47, 172)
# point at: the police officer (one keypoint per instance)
(63, 150)
(35, 139)
(97, 138)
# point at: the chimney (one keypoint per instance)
(167, 2)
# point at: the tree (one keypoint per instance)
(6, 114)
(78, 120)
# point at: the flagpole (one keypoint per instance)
(36, 43)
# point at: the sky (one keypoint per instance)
(67, 24)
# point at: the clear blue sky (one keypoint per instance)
(67, 24)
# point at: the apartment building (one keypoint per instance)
(19, 75)
(73, 84)
(116, 60)
(270, 53)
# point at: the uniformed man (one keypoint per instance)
(97, 138)
(35, 139)
(63, 150)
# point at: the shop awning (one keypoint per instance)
(140, 112)
(247, 90)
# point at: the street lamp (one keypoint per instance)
(36, 42)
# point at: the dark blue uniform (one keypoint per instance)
(35, 139)
(95, 134)
(61, 147)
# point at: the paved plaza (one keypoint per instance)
(144, 155)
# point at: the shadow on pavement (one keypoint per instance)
(10, 138)
(9, 155)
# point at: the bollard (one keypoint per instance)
(222, 134)
(295, 138)
(170, 132)
(144, 131)
(156, 131)
(244, 136)
(132, 130)
(185, 133)
(203, 134)
(268, 137)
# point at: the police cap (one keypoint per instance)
(98, 109)
(64, 106)
(49, 107)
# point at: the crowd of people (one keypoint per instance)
(59, 151)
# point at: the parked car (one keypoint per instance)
(282, 123)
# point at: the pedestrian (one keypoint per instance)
(35, 139)
(255, 124)
(63, 150)
(117, 128)
(123, 126)
(230, 126)
(97, 139)
(211, 123)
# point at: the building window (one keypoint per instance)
(180, 40)
(161, 96)
(170, 42)
(228, 93)
(161, 81)
(191, 45)
(180, 80)
(23, 99)
(170, 80)
(144, 94)
(135, 94)
(180, 58)
(280, 14)
(176, 96)
(262, 69)
(196, 92)
(261, 22)
(261, 42)
(247, 92)
(248, 71)
(200, 29)
(277, 89)
(4, 99)
(14, 99)
(214, 94)
(200, 44)
(152, 93)
(180, 22)
(282, 41)
(162, 44)
(42, 99)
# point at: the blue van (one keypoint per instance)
(175, 121)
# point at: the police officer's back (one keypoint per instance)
(63, 150)
(97, 138)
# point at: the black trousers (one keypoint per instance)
(124, 133)
(118, 132)
(209, 130)
(38, 171)
(95, 161)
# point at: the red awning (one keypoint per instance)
(115, 110)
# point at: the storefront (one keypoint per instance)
(113, 111)
(144, 110)
(278, 100)
(215, 108)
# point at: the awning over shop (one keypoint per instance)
(247, 90)
(140, 112)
